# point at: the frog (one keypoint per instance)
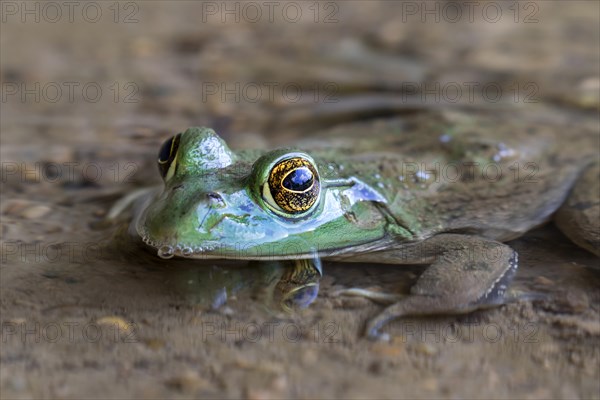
(445, 189)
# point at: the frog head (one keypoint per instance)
(252, 205)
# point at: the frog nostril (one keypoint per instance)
(215, 199)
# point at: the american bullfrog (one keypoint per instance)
(439, 188)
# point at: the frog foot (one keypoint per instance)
(469, 273)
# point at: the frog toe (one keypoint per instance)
(469, 273)
(409, 306)
(378, 297)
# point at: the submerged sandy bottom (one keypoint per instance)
(78, 319)
(83, 317)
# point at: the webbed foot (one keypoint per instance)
(468, 273)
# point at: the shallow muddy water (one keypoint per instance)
(85, 315)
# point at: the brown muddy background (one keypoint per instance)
(88, 97)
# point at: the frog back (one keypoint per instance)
(496, 175)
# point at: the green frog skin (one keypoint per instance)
(442, 189)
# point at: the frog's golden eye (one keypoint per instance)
(166, 156)
(293, 186)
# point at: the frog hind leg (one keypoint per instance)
(467, 273)
(579, 216)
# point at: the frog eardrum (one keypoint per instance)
(167, 155)
(293, 186)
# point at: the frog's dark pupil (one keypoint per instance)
(165, 150)
(167, 153)
(298, 180)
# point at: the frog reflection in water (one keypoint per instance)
(275, 284)
(442, 189)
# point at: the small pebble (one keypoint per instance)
(280, 383)
(188, 381)
(115, 321)
(592, 83)
(310, 357)
(14, 207)
(35, 212)
(542, 280)
(226, 310)
(426, 349)
(154, 344)
(391, 350)
(430, 384)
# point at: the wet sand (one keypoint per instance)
(83, 317)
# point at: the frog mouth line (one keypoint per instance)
(211, 252)
(167, 250)
(216, 251)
